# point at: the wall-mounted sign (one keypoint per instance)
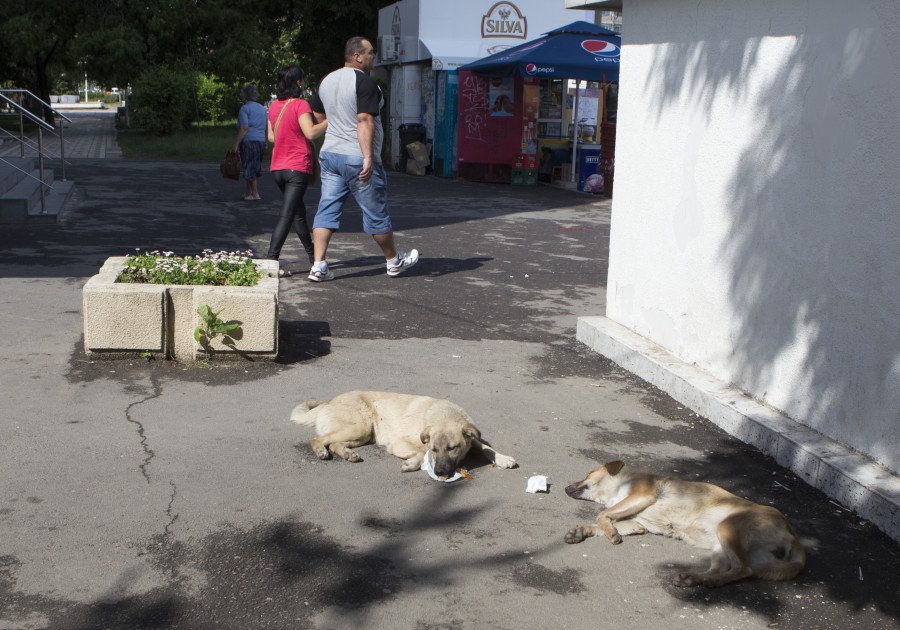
(395, 22)
(502, 96)
(504, 20)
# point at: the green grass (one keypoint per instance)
(205, 142)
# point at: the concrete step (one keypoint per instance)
(16, 202)
(12, 171)
(55, 200)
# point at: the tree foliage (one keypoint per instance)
(35, 35)
(115, 41)
(162, 100)
(216, 101)
(321, 27)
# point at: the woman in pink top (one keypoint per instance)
(292, 127)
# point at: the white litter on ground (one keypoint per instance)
(538, 483)
(428, 467)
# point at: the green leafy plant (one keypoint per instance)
(216, 100)
(212, 327)
(209, 269)
(161, 100)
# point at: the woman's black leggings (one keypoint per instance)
(293, 211)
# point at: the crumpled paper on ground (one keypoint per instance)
(428, 467)
(538, 483)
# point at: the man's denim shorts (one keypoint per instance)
(340, 178)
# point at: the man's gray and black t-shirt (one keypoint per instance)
(342, 94)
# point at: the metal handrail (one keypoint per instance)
(42, 125)
(39, 100)
(26, 174)
(26, 142)
(23, 112)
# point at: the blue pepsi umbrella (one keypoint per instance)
(579, 50)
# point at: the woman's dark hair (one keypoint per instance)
(249, 92)
(288, 83)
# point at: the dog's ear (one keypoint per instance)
(613, 468)
(425, 436)
(471, 431)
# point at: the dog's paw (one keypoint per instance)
(687, 580)
(322, 453)
(575, 535)
(352, 456)
(714, 579)
(615, 538)
(504, 461)
(411, 464)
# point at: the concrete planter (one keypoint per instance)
(124, 320)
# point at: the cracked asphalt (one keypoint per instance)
(140, 494)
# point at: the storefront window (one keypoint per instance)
(551, 114)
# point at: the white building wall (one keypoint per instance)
(756, 220)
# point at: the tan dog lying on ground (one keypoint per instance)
(746, 538)
(406, 425)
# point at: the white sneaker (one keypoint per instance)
(404, 261)
(317, 274)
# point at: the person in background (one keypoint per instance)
(545, 167)
(292, 127)
(350, 159)
(251, 140)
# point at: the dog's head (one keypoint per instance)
(449, 445)
(600, 485)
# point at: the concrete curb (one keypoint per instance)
(855, 481)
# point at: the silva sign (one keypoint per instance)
(504, 20)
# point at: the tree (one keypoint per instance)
(35, 35)
(237, 41)
(320, 28)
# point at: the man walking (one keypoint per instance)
(350, 159)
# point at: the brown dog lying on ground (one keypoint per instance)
(406, 425)
(746, 538)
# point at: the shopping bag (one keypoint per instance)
(231, 165)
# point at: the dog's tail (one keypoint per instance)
(791, 560)
(301, 414)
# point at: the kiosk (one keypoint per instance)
(422, 43)
(567, 119)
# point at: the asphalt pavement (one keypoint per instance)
(138, 494)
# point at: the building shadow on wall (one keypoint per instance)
(813, 266)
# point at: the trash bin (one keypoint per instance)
(409, 133)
